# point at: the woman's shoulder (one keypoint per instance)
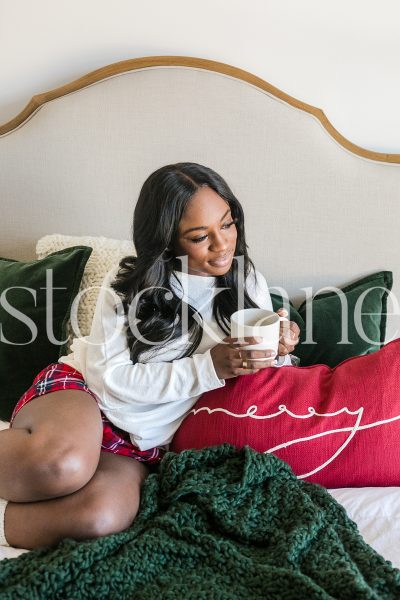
(256, 281)
(258, 290)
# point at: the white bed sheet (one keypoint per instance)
(376, 510)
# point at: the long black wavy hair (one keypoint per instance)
(159, 209)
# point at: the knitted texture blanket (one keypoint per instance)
(215, 524)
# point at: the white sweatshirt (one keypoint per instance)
(150, 399)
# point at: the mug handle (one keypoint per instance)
(283, 319)
(295, 360)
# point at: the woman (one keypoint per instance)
(73, 461)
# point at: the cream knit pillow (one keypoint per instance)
(106, 254)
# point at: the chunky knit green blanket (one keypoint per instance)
(215, 524)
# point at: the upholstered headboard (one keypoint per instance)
(319, 210)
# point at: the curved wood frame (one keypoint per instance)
(186, 61)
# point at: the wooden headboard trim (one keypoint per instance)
(186, 61)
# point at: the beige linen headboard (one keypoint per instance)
(319, 210)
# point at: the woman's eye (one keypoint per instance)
(225, 226)
(197, 240)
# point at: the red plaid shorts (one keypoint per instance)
(59, 376)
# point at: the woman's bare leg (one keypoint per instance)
(107, 504)
(53, 447)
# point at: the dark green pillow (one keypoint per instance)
(326, 324)
(23, 352)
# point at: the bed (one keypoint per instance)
(320, 210)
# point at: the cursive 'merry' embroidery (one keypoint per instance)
(311, 412)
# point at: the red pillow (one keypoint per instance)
(337, 427)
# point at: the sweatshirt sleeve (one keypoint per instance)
(117, 381)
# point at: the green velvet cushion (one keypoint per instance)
(326, 323)
(25, 348)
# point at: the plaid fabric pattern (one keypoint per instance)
(59, 376)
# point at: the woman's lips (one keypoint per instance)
(221, 262)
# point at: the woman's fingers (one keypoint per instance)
(284, 350)
(295, 332)
(254, 360)
(258, 354)
(289, 334)
(245, 341)
(255, 365)
(252, 365)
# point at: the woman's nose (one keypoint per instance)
(219, 242)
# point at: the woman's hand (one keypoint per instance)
(228, 357)
(289, 334)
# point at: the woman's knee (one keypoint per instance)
(59, 468)
(61, 453)
(105, 514)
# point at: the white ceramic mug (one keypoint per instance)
(257, 322)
